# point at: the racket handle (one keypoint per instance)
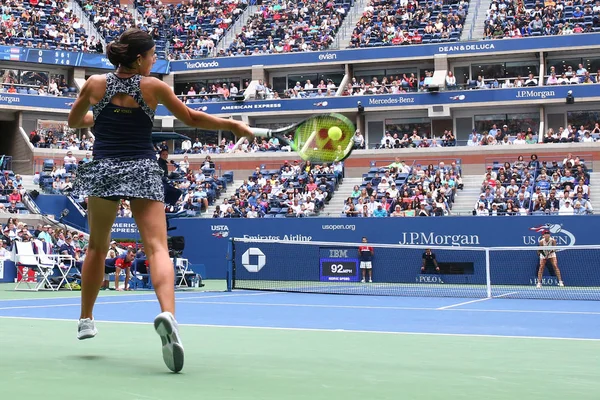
(261, 132)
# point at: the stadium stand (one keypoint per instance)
(293, 190)
(507, 19)
(402, 22)
(536, 187)
(45, 25)
(196, 27)
(403, 190)
(280, 27)
(11, 193)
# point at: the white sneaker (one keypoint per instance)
(86, 329)
(362, 281)
(370, 280)
(539, 285)
(561, 284)
(172, 349)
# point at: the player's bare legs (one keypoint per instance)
(101, 216)
(554, 263)
(150, 218)
(541, 272)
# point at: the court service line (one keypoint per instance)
(475, 301)
(393, 308)
(123, 302)
(327, 330)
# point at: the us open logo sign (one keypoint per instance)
(253, 259)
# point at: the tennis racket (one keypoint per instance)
(315, 139)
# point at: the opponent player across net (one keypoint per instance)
(548, 255)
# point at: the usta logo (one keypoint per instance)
(220, 231)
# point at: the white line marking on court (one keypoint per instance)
(126, 301)
(463, 303)
(359, 307)
(475, 301)
(276, 328)
(148, 293)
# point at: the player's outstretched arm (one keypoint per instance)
(194, 118)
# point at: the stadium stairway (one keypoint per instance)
(234, 30)
(464, 201)
(344, 34)
(594, 197)
(231, 188)
(473, 29)
(336, 204)
(28, 183)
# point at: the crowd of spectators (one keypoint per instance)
(535, 187)
(109, 17)
(522, 18)
(397, 140)
(35, 82)
(283, 27)
(226, 146)
(508, 136)
(403, 22)
(11, 193)
(197, 26)
(294, 190)
(196, 93)
(45, 25)
(568, 76)
(62, 138)
(59, 239)
(405, 190)
(571, 76)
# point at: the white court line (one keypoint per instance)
(125, 301)
(393, 308)
(126, 294)
(475, 301)
(275, 328)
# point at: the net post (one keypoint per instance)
(488, 280)
(229, 274)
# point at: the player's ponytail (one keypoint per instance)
(128, 47)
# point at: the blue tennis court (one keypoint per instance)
(320, 346)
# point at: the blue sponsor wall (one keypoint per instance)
(380, 53)
(347, 103)
(89, 60)
(67, 58)
(207, 241)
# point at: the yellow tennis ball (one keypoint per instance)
(334, 133)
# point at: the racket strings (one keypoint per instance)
(312, 139)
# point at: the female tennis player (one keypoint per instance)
(125, 167)
(548, 255)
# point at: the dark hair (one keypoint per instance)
(126, 49)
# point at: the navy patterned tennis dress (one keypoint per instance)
(124, 165)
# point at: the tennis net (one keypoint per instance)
(400, 270)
